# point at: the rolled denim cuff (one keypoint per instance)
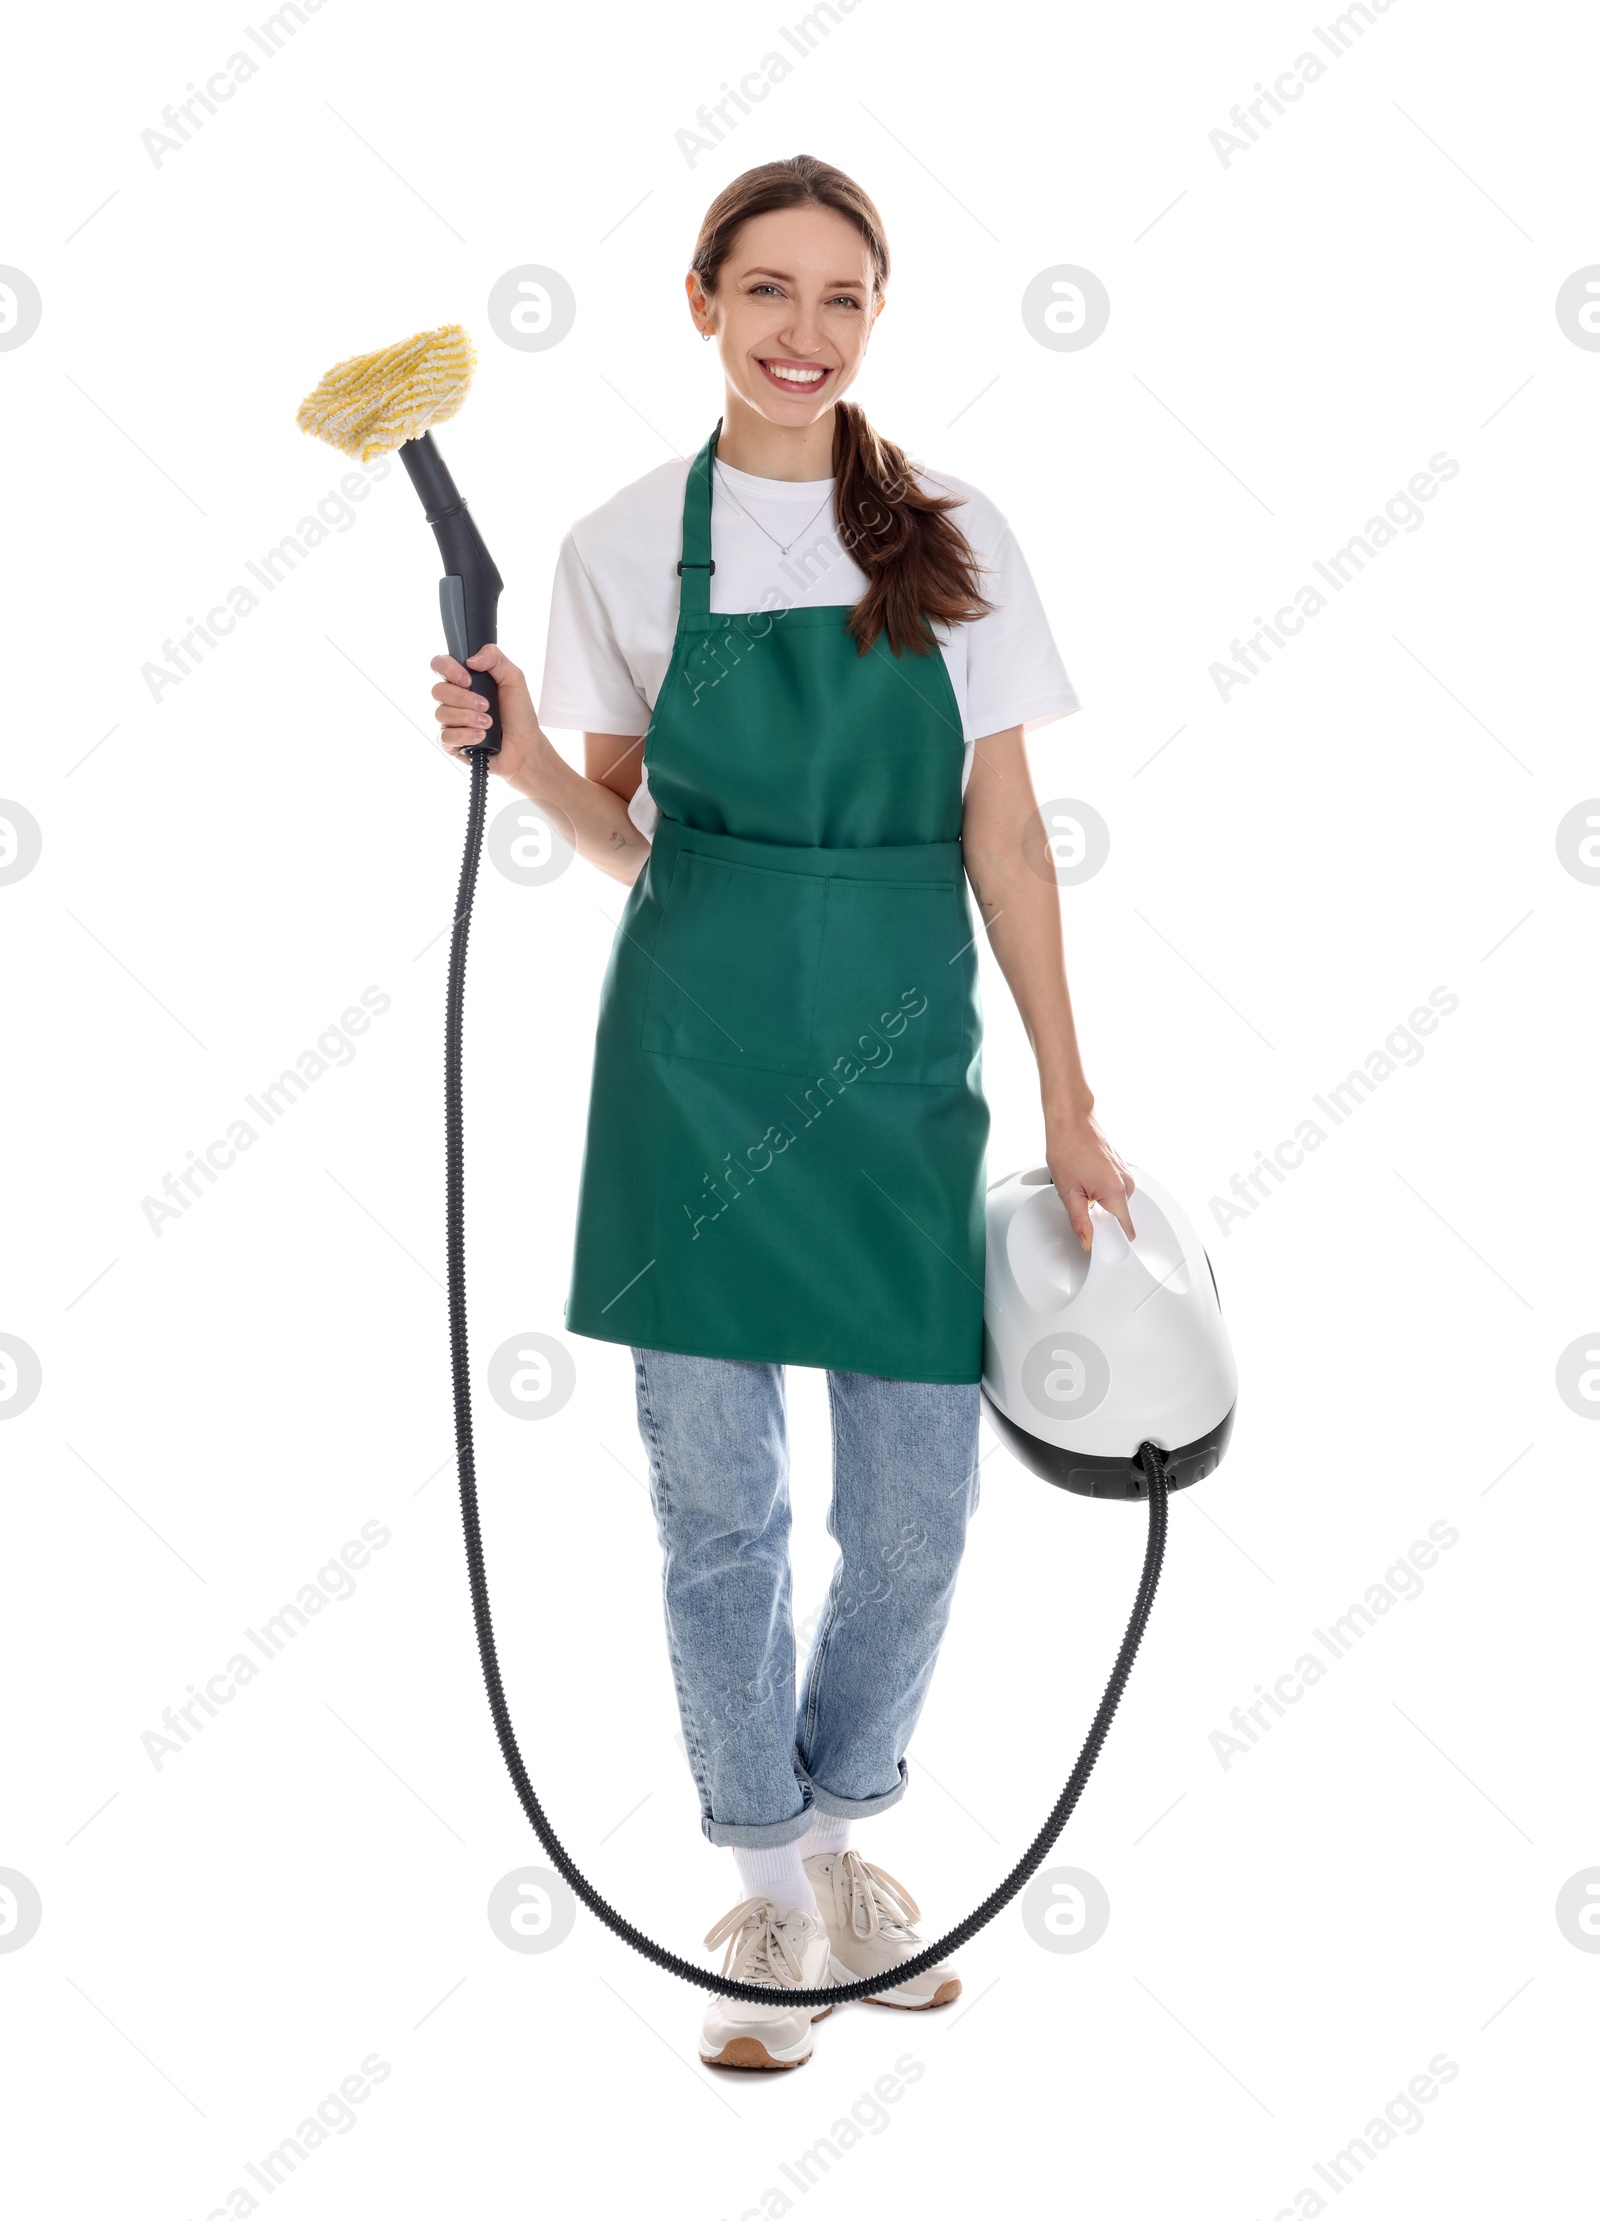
(767, 1835)
(853, 1808)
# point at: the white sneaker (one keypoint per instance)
(867, 1915)
(776, 1944)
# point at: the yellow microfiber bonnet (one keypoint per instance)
(369, 405)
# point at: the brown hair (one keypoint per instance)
(917, 563)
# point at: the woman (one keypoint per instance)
(785, 1151)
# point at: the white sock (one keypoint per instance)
(775, 1873)
(828, 1833)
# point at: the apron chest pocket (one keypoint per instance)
(735, 965)
(897, 986)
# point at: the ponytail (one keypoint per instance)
(917, 563)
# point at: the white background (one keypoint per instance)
(1292, 336)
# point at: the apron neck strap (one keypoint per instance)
(694, 570)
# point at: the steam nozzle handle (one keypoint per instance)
(469, 592)
(458, 635)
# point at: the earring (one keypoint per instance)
(704, 334)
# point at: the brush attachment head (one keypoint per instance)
(371, 404)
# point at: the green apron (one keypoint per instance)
(785, 1150)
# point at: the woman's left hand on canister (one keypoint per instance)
(1087, 1170)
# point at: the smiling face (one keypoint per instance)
(793, 310)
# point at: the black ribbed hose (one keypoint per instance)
(756, 1993)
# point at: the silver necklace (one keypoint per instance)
(756, 521)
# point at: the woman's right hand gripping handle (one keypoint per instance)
(464, 718)
(586, 812)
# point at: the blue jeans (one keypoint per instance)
(905, 1484)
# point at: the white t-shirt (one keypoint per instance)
(614, 604)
